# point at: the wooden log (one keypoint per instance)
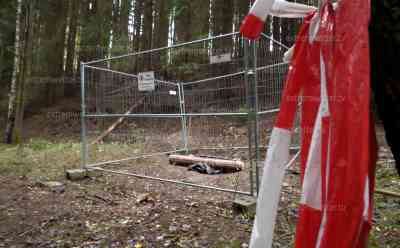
(117, 123)
(219, 164)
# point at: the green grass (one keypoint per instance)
(40, 159)
(228, 244)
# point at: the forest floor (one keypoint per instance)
(118, 211)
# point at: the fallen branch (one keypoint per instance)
(220, 164)
(117, 123)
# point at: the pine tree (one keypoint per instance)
(55, 13)
(73, 16)
(12, 106)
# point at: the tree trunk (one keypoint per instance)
(116, 24)
(183, 21)
(192, 19)
(103, 23)
(54, 42)
(148, 25)
(12, 104)
(162, 24)
(96, 25)
(85, 35)
(200, 13)
(71, 46)
(126, 6)
(137, 25)
(222, 17)
(25, 63)
(7, 39)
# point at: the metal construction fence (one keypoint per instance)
(214, 97)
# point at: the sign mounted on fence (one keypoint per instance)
(222, 58)
(146, 81)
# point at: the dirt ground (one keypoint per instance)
(117, 211)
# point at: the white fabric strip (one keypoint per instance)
(280, 8)
(262, 8)
(269, 196)
(324, 110)
(312, 186)
(287, 57)
(325, 214)
(324, 89)
(285, 9)
(366, 200)
(314, 28)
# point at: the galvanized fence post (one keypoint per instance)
(84, 153)
(252, 106)
(181, 95)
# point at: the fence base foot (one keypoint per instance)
(80, 174)
(245, 204)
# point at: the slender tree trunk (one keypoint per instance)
(37, 41)
(2, 60)
(126, 6)
(12, 105)
(116, 14)
(148, 34)
(137, 25)
(25, 71)
(71, 46)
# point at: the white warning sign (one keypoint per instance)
(222, 58)
(146, 81)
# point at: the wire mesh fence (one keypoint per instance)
(214, 97)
